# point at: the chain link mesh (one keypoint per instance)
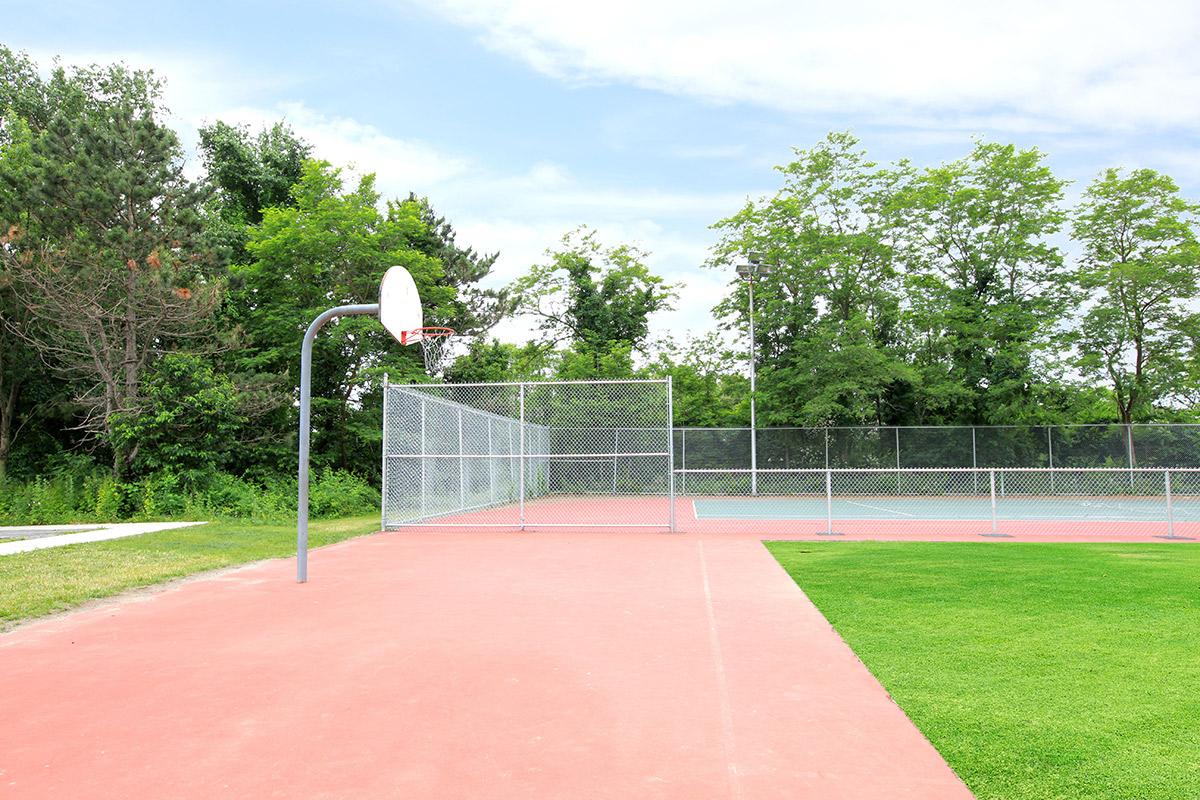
(1139, 500)
(1000, 446)
(528, 455)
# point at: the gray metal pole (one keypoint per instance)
(1050, 454)
(898, 489)
(683, 457)
(424, 457)
(616, 449)
(992, 481)
(1170, 507)
(1129, 452)
(521, 457)
(974, 461)
(828, 502)
(491, 465)
(365, 309)
(753, 422)
(671, 453)
(462, 466)
(384, 466)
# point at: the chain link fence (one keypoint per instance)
(552, 454)
(1163, 502)
(1000, 446)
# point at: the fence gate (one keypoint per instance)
(579, 454)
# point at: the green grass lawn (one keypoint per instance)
(1037, 670)
(44, 581)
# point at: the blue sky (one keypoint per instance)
(650, 120)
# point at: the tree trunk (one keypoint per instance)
(8, 410)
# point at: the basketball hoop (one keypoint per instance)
(435, 345)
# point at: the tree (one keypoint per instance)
(251, 173)
(987, 291)
(24, 110)
(596, 300)
(710, 389)
(331, 247)
(827, 316)
(248, 173)
(501, 362)
(475, 310)
(103, 245)
(24, 99)
(187, 422)
(1141, 270)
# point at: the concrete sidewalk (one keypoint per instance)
(44, 536)
(477, 664)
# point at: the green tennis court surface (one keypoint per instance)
(1115, 509)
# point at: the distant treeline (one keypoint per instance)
(150, 324)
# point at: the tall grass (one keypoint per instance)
(73, 495)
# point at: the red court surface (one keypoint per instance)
(611, 514)
(485, 664)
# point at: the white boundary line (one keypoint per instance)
(879, 508)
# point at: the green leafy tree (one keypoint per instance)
(252, 172)
(827, 315)
(710, 389)
(986, 289)
(595, 300)
(331, 247)
(187, 422)
(1141, 271)
(248, 173)
(103, 247)
(475, 309)
(501, 362)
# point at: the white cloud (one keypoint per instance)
(519, 212)
(360, 147)
(1101, 63)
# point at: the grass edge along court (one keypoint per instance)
(1036, 670)
(48, 581)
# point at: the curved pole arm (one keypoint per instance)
(364, 309)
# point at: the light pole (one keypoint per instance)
(748, 272)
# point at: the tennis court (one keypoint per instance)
(1112, 509)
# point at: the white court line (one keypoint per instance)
(728, 741)
(878, 508)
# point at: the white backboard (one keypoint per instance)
(399, 304)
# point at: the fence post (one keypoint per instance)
(462, 466)
(671, 455)
(1050, 454)
(974, 461)
(1170, 508)
(616, 449)
(682, 457)
(424, 457)
(898, 489)
(521, 459)
(491, 465)
(1129, 452)
(992, 482)
(828, 501)
(383, 474)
